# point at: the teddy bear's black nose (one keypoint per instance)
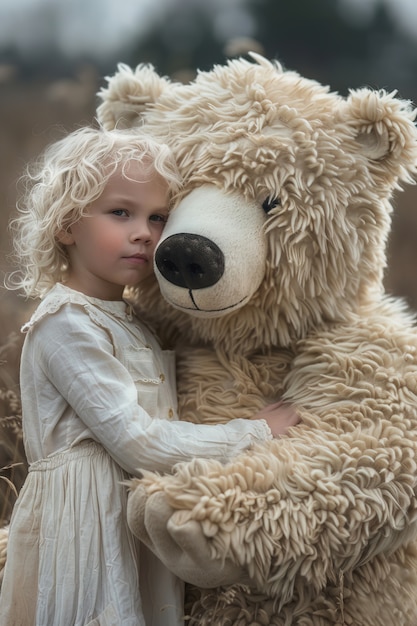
(190, 261)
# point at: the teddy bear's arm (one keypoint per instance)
(341, 489)
(308, 507)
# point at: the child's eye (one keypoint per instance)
(159, 218)
(120, 212)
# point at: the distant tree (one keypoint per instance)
(311, 36)
(182, 40)
(315, 38)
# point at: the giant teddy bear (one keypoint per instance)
(270, 270)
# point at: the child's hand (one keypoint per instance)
(279, 417)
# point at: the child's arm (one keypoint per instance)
(77, 357)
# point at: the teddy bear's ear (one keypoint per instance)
(128, 94)
(384, 130)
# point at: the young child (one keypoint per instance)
(98, 393)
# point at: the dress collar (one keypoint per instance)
(119, 308)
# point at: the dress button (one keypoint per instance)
(170, 414)
(162, 377)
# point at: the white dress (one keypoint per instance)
(99, 404)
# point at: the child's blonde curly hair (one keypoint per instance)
(59, 187)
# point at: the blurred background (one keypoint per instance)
(54, 55)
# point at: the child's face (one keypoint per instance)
(113, 244)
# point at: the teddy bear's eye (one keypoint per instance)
(270, 203)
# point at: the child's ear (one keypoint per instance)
(65, 237)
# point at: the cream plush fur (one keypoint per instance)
(271, 270)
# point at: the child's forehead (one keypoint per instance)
(133, 169)
(133, 176)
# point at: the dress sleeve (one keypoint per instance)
(79, 361)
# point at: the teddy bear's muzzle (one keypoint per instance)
(211, 257)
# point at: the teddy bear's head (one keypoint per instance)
(285, 212)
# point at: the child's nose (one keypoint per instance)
(141, 231)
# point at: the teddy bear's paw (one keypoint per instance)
(179, 542)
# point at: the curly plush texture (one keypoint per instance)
(319, 527)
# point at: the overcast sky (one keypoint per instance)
(74, 24)
(404, 12)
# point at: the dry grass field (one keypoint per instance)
(33, 115)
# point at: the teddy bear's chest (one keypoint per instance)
(214, 387)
